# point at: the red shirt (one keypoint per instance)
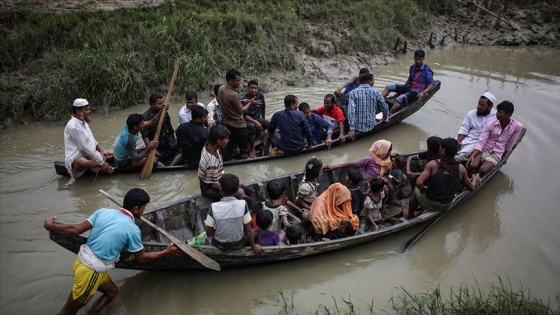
(335, 113)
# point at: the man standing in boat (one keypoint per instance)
(81, 150)
(364, 102)
(255, 115)
(472, 125)
(497, 138)
(111, 231)
(437, 184)
(419, 83)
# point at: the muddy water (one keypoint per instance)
(508, 230)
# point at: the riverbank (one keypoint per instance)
(57, 50)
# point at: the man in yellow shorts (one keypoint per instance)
(111, 231)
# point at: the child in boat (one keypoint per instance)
(353, 179)
(295, 234)
(274, 204)
(397, 182)
(307, 190)
(229, 221)
(264, 236)
(373, 205)
(254, 207)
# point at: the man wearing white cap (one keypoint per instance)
(81, 150)
(472, 125)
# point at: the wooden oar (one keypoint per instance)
(149, 165)
(196, 255)
(424, 230)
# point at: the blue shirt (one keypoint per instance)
(293, 128)
(125, 146)
(318, 126)
(349, 88)
(420, 78)
(112, 231)
(365, 101)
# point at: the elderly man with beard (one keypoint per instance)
(81, 150)
(472, 125)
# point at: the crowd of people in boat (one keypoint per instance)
(236, 219)
(291, 130)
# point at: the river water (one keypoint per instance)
(508, 231)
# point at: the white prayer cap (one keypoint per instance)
(490, 97)
(80, 102)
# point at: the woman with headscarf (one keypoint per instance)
(376, 164)
(331, 213)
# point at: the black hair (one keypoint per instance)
(136, 197)
(376, 184)
(191, 95)
(303, 106)
(290, 100)
(255, 205)
(255, 82)
(366, 77)
(419, 53)
(506, 106)
(134, 120)
(312, 169)
(355, 176)
(275, 189)
(229, 184)
(434, 142)
(154, 97)
(294, 233)
(264, 219)
(198, 111)
(451, 146)
(363, 70)
(231, 74)
(216, 88)
(401, 161)
(332, 97)
(217, 133)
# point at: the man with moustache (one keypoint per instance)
(472, 125)
(82, 152)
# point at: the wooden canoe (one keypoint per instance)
(394, 119)
(184, 219)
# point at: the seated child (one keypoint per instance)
(275, 191)
(373, 204)
(229, 222)
(254, 207)
(307, 190)
(353, 179)
(263, 235)
(295, 235)
(397, 182)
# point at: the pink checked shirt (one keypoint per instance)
(500, 141)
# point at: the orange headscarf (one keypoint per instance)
(325, 214)
(379, 150)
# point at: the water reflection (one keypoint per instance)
(456, 233)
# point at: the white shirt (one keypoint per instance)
(211, 108)
(79, 141)
(472, 128)
(185, 114)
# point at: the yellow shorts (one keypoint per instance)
(86, 282)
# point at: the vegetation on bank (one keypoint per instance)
(495, 300)
(116, 58)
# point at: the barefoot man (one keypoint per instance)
(81, 150)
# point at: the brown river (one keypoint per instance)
(507, 231)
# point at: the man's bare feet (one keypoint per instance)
(253, 153)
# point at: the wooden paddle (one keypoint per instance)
(149, 165)
(196, 255)
(424, 230)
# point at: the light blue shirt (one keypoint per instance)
(111, 232)
(364, 102)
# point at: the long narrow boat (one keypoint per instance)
(184, 220)
(394, 119)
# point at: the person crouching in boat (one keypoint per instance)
(111, 231)
(229, 221)
(125, 144)
(81, 150)
(331, 213)
(437, 184)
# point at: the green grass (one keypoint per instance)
(496, 299)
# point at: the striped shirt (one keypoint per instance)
(210, 168)
(364, 102)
